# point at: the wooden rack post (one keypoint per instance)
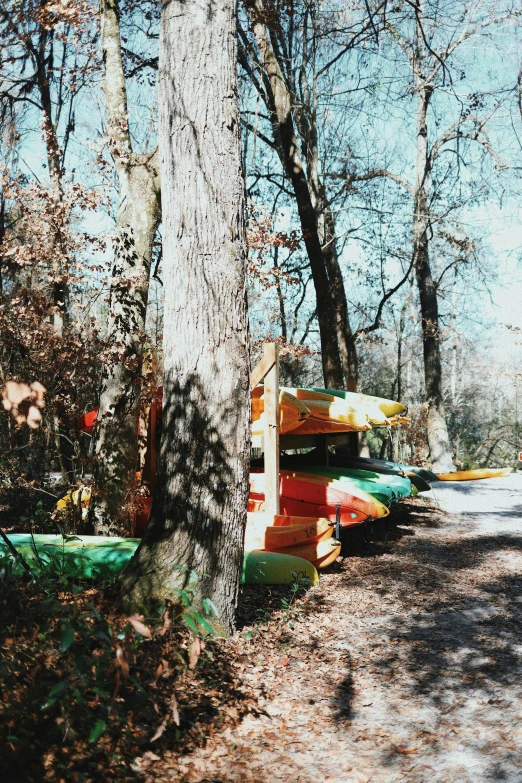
(268, 368)
(272, 431)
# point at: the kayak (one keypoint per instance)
(383, 466)
(269, 532)
(387, 468)
(316, 426)
(337, 410)
(272, 568)
(385, 488)
(387, 407)
(292, 412)
(320, 554)
(333, 407)
(473, 475)
(98, 557)
(304, 494)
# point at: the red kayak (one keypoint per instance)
(315, 496)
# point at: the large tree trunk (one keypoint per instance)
(200, 502)
(437, 431)
(139, 211)
(286, 139)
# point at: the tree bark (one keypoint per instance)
(437, 431)
(345, 341)
(199, 510)
(139, 212)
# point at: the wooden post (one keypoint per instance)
(353, 436)
(271, 395)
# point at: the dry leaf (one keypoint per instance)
(406, 751)
(194, 653)
(175, 711)
(163, 725)
(136, 620)
(121, 663)
(163, 667)
(159, 731)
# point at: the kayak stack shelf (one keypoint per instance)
(271, 443)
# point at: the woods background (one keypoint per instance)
(381, 149)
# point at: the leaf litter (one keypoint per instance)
(402, 665)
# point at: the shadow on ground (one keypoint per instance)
(451, 605)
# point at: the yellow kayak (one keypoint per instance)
(315, 426)
(292, 412)
(473, 475)
(376, 407)
(339, 411)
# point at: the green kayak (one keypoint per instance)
(91, 557)
(342, 460)
(385, 488)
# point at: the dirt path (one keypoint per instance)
(403, 665)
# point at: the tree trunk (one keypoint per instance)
(139, 211)
(345, 341)
(285, 137)
(116, 444)
(59, 315)
(437, 431)
(200, 502)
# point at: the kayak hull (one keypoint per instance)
(474, 475)
(97, 557)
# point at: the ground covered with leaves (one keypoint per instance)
(402, 665)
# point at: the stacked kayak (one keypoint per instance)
(314, 495)
(292, 412)
(385, 489)
(91, 557)
(310, 538)
(338, 411)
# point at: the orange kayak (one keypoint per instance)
(285, 531)
(291, 412)
(316, 496)
(299, 508)
(320, 554)
(313, 531)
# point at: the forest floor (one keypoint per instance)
(404, 664)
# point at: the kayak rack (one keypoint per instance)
(271, 442)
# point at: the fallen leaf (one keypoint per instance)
(136, 620)
(175, 711)
(194, 653)
(404, 750)
(163, 667)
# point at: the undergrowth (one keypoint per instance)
(84, 689)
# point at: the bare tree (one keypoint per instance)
(139, 212)
(268, 53)
(429, 51)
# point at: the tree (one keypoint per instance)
(139, 211)
(47, 64)
(199, 509)
(282, 84)
(296, 58)
(429, 50)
